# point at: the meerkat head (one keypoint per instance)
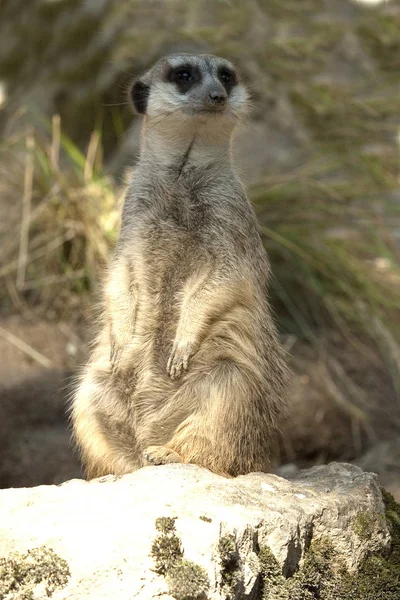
(190, 91)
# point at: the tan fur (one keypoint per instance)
(187, 366)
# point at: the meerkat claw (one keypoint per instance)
(160, 455)
(178, 362)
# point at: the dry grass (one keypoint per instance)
(64, 223)
(335, 288)
(335, 260)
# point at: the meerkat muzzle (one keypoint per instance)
(217, 99)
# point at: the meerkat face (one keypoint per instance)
(184, 87)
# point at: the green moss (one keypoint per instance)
(323, 577)
(364, 525)
(166, 524)
(317, 574)
(229, 560)
(20, 573)
(271, 572)
(311, 581)
(392, 513)
(187, 581)
(379, 575)
(166, 548)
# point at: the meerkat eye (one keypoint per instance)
(225, 76)
(228, 78)
(184, 74)
(184, 77)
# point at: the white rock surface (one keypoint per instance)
(105, 529)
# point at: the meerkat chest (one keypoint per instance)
(174, 226)
(175, 215)
(176, 237)
(186, 212)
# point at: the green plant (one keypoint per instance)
(61, 237)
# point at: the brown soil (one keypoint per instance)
(34, 437)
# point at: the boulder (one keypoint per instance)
(179, 531)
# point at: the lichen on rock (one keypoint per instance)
(322, 576)
(364, 525)
(166, 548)
(229, 560)
(321, 534)
(20, 574)
(186, 580)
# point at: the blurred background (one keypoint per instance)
(320, 155)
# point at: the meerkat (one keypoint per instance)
(187, 366)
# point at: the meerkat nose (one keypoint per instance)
(217, 99)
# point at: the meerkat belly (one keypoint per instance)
(169, 259)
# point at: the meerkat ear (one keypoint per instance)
(139, 94)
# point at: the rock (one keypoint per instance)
(179, 531)
(384, 460)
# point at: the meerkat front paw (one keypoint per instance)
(161, 455)
(178, 361)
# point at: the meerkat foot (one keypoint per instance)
(160, 455)
(178, 361)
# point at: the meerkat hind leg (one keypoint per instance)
(161, 455)
(231, 429)
(95, 442)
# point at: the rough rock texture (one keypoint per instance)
(181, 532)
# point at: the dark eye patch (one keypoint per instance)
(140, 95)
(227, 77)
(184, 77)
